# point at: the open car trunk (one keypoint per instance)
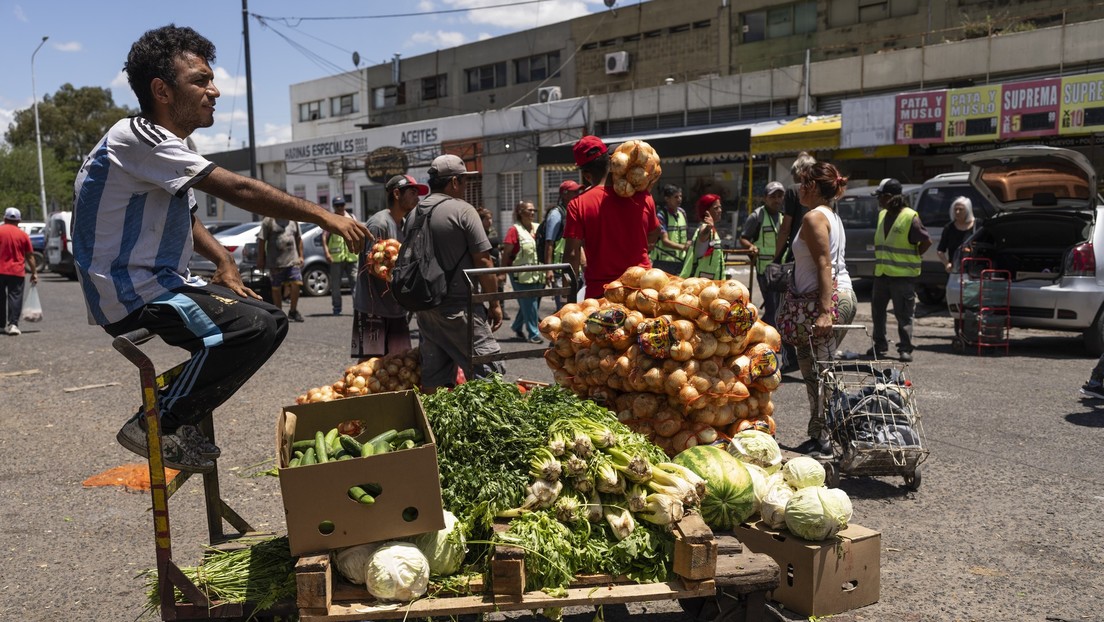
(1030, 245)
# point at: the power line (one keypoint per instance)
(297, 20)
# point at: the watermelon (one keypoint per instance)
(729, 491)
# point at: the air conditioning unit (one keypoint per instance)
(547, 94)
(617, 62)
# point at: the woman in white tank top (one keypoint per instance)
(822, 286)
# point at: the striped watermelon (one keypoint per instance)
(730, 494)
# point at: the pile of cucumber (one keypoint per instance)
(333, 446)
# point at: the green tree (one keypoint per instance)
(71, 121)
(19, 181)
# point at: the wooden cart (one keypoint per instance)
(716, 580)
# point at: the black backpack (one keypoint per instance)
(542, 231)
(418, 281)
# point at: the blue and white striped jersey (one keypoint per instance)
(132, 225)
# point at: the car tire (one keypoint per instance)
(931, 295)
(1094, 335)
(316, 280)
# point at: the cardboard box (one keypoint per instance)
(320, 514)
(820, 578)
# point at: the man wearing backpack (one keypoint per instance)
(550, 234)
(458, 242)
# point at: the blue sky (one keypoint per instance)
(88, 43)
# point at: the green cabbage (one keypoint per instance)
(802, 472)
(445, 549)
(352, 561)
(397, 571)
(817, 513)
(758, 448)
(773, 508)
(758, 482)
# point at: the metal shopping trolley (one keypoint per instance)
(870, 410)
(984, 317)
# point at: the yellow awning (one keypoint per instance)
(811, 133)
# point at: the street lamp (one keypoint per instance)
(38, 134)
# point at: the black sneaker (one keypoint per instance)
(199, 440)
(880, 354)
(906, 357)
(295, 316)
(1093, 388)
(177, 453)
(536, 339)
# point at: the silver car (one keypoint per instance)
(1044, 233)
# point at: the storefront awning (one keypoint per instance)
(696, 145)
(811, 133)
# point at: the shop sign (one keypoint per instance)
(867, 122)
(1030, 108)
(920, 117)
(384, 163)
(1082, 104)
(973, 114)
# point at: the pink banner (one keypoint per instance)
(1030, 108)
(920, 117)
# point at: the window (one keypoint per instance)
(552, 180)
(539, 67)
(389, 96)
(435, 87)
(780, 21)
(509, 192)
(323, 190)
(343, 105)
(310, 111)
(486, 77)
(212, 206)
(680, 28)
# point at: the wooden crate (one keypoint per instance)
(324, 597)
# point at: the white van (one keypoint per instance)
(59, 244)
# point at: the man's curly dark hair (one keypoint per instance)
(152, 56)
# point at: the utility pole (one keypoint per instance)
(38, 134)
(249, 90)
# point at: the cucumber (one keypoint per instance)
(303, 444)
(309, 457)
(387, 436)
(356, 493)
(331, 440)
(407, 444)
(295, 462)
(340, 454)
(350, 444)
(320, 446)
(380, 447)
(345, 456)
(413, 434)
(373, 489)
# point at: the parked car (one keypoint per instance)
(316, 270)
(218, 226)
(36, 231)
(1044, 232)
(59, 244)
(232, 239)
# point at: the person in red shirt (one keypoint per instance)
(15, 249)
(616, 231)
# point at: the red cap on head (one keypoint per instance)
(569, 186)
(587, 149)
(705, 202)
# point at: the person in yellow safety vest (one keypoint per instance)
(342, 260)
(899, 241)
(705, 258)
(762, 227)
(669, 252)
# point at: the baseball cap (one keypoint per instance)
(588, 149)
(775, 186)
(12, 213)
(338, 200)
(404, 181)
(449, 166)
(888, 186)
(569, 186)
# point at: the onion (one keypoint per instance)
(570, 307)
(631, 277)
(682, 351)
(706, 323)
(615, 292)
(734, 291)
(688, 395)
(647, 300)
(654, 278)
(550, 326)
(687, 305)
(708, 295)
(684, 329)
(573, 322)
(718, 309)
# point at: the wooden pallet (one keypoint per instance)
(701, 573)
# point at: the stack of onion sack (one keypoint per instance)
(679, 360)
(381, 258)
(394, 372)
(634, 166)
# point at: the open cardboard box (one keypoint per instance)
(820, 578)
(320, 515)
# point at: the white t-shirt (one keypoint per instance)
(805, 272)
(132, 218)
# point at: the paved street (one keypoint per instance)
(1006, 525)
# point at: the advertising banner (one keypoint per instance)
(1030, 108)
(867, 122)
(1082, 104)
(973, 114)
(920, 117)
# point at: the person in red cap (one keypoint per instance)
(15, 248)
(380, 325)
(616, 231)
(551, 231)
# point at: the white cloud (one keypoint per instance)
(229, 85)
(483, 36)
(210, 142)
(274, 134)
(6, 118)
(68, 46)
(19, 14)
(440, 39)
(531, 16)
(425, 6)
